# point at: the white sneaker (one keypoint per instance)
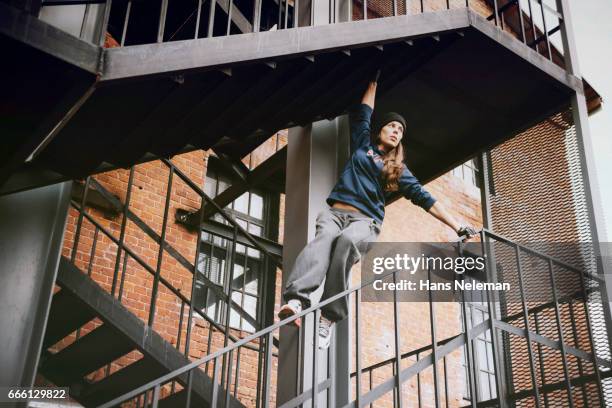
(326, 328)
(293, 307)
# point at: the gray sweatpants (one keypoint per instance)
(341, 238)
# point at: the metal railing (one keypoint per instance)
(522, 376)
(92, 257)
(533, 22)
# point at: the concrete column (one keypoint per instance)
(315, 156)
(31, 234)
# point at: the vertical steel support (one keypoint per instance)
(358, 348)
(587, 160)
(398, 351)
(521, 21)
(31, 237)
(126, 21)
(534, 381)
(566, 375)
(545, 29)
(160, 253)
(161, 25)
(314, 158)
(103, 23)
(491, 273)
(126, 208)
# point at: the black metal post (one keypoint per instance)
(125, 210)
(434, 344)
(77, 232)
(568, 385)
(358, 348)
(211, 18)
(92, 254)
(534, 381)
(549, 51)
(126, 20)
(398, 353)
(197, 24)
(160, 253)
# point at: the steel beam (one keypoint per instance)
(271, 45)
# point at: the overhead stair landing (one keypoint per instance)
(79, 301)
(462, 84)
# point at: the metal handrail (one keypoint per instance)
(445, 346)
(510, 15)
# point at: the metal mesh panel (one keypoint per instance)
(540, 199)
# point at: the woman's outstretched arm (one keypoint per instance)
(439, 211)
(370, 93)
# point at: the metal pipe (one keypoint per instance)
(527, 330)
(160, 252)
(358, 348)
(104, 23)
(315, 359)
(519, 10)
(492, 314)
(123, 271)
(93, 251)
(398, 354)
(434, 342)
(162, 21)
(211, 18)
(545, 31)
(77, 233)
(256, 16)
(540, 358)
(126, 20)
(84, 22)
(533, 30)
(198, 16)
(215, 383)
(578, 361)
(568, 385)
(229, 378)
(189, 388)
(229, 17)
(228, 305)
(268, 365)
(123, 226)
(496, 12)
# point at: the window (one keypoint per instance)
(468, 172)
(483, 352)
(246, 268)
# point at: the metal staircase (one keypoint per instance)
(581, 382)
(81, 300)
(98, 108)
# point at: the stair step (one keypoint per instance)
(73, 315)
(91, 352)
(122, 381)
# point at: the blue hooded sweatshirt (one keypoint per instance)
(360, 183)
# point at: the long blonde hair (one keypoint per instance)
(392, 168)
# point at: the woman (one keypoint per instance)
(354, 218)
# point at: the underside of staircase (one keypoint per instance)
(81, 300)
(462, 84)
